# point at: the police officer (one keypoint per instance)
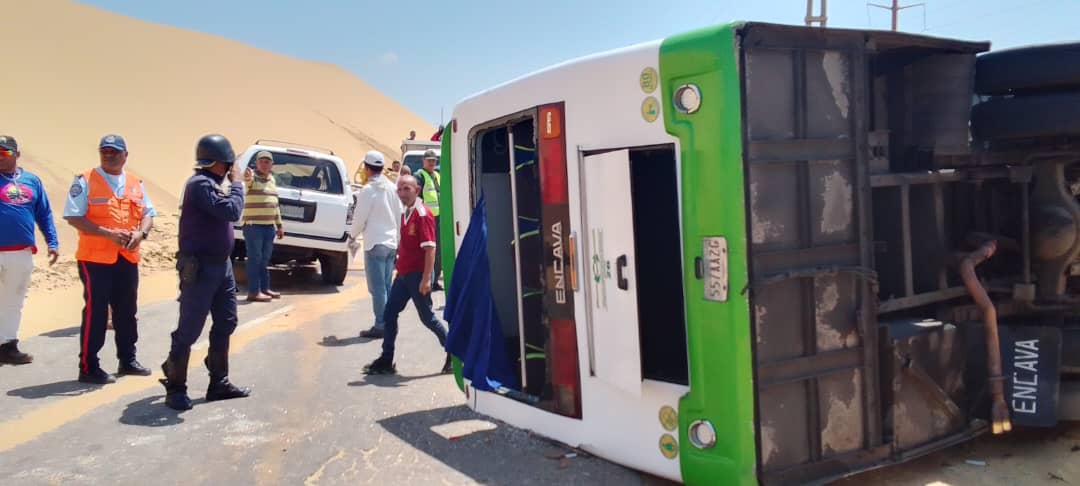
(109, 207)
(429, 190)
(207, 285)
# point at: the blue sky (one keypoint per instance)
(427, 55)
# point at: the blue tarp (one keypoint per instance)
(475, 333)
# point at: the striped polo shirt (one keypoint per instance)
(261, 202)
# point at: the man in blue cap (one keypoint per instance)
(113, 215)
(207, 285)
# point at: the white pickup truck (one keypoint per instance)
(316, 203)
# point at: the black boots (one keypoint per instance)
(132, 368)
(175, 369)
(10, 354)
(175, 381)
(96, 376)
(220, 388)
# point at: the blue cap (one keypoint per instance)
(113, 142)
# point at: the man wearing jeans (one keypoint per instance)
(377, 213)
(22, 204)
(416, 260)
(262, 223)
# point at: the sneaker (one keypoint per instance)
(96, 377)
(380, 366)
(132, 368)
(373, 333)
(448, 366)
(259, 298)
(437, 287)
(272, 294)
(10, 354)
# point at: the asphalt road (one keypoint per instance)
(313, 418)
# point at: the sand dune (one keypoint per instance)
(73, 73)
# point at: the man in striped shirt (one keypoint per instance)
(262, 221)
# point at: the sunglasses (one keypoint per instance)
(7, 153)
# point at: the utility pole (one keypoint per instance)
(895, 9)
(821, 19)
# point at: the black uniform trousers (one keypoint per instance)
(106, 286)
(213, 294)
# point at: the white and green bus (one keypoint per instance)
(737, 255)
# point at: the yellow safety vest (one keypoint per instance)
(431, 191)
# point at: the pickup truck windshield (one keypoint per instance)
(305, 173)
(416, 161)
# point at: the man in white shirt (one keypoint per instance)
(377, 215)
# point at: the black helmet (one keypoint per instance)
(213, 148)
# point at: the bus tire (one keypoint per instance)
(1034, 116)
(1051, 67)
(1069, 400)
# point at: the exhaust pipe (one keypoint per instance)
(999, 411)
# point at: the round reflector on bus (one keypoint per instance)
(688, 98)
(702, 434)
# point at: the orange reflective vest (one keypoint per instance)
(108, 211)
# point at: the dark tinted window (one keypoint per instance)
(301, 172)
(416, 161)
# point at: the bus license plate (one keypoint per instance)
(716, 268)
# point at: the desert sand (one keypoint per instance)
(73, 73)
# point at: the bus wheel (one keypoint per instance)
(1033, 116)
(1069, 400)
(1052, 67)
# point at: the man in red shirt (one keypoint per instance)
(415, 263)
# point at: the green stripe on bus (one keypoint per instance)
(718, 333)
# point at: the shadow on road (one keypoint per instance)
(299, 280)
(332, 341)
(70, 388)
(391, 381)
(503, 454)
(63, 333)
(152, 412)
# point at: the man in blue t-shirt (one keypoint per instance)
(23, 203)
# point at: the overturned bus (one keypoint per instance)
(760, 253)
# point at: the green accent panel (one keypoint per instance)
(713, 204)
(446, 226)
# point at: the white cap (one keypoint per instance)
(374, 158)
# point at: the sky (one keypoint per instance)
(428, 55)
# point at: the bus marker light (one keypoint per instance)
(688, 98)
(702, 434)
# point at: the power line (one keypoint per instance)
(896, 8)
(997, 13)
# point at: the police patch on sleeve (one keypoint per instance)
(76, 188)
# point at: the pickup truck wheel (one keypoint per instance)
(333, 267)
(1033, 116)
(1051, 67)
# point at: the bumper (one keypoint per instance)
(310, 242)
